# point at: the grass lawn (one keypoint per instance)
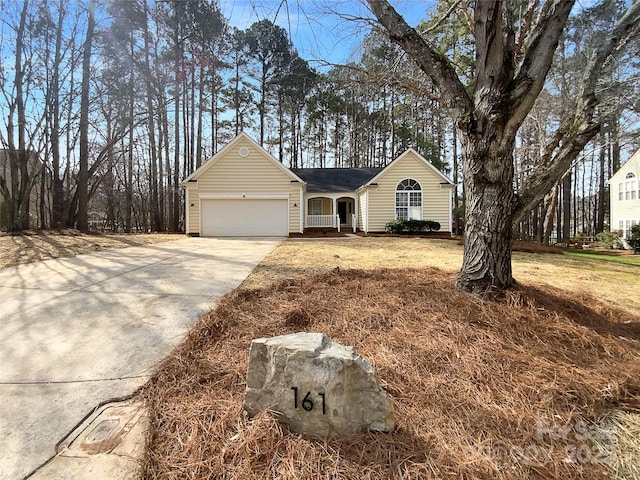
(627, 259)
(35, 246)
(541, 384)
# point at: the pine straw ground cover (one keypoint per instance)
(512, 389)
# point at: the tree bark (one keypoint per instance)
(566, 207)
(57, 209)
(17, 156)
(599, 226)
(83, 172)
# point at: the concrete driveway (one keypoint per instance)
(76, 332)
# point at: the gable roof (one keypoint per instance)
(335, 179)
(241, 136)
(631, 165)
(420, 158)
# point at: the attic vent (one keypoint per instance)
(243, 152)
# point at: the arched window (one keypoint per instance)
(630, 186)
(409, 200)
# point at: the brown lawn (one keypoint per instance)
(536, 385)
(34, 246)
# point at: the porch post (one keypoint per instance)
(335, 212)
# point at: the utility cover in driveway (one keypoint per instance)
(245, 217)
(108, 444)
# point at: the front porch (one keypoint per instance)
(328, 212)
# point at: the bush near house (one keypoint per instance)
(411, 226)
(634, 238)
(609, 239)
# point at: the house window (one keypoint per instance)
(630, 186)
(316, 206)
(409, 200)
(620, 192)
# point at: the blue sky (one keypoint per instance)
(316, 27)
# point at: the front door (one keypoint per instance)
(342, 212)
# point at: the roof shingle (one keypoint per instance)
(335, 179)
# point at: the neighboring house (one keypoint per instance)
(624, 195)
(244, 191)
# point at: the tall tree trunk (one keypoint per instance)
(18, 156)
(599, 227)
(566, 207)
(24, 191)
(457, 223)
(156, 219)
(57, 208)
(488, 180)
(198, 153)
(236, 94)
(168, 203)
(174, 185)
(111, 222)
(262, 104)
(129, 176)
(552, 203)
(83, 172)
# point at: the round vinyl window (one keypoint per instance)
(244, 151)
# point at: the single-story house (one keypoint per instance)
(244, 191)
(624, 196)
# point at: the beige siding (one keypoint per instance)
(435, 199)
(255, 174)
(193, 225)
(362, 206)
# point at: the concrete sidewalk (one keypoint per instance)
(77, 332)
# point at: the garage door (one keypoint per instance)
(244, 218)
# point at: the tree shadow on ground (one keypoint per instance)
(586, 311)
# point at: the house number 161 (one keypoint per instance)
(307, 402)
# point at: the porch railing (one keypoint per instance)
(318, 221)
(330, 221)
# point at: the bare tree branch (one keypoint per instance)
(577, 131)
(538, 57)
(442, 19)
(435, 65)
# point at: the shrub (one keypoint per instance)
(414, 226)
(394, 226)
(634, 238)
(411, 226)
(609, 239)
(432, 226)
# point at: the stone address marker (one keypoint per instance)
(316, 387)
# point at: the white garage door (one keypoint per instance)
(244, 218)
